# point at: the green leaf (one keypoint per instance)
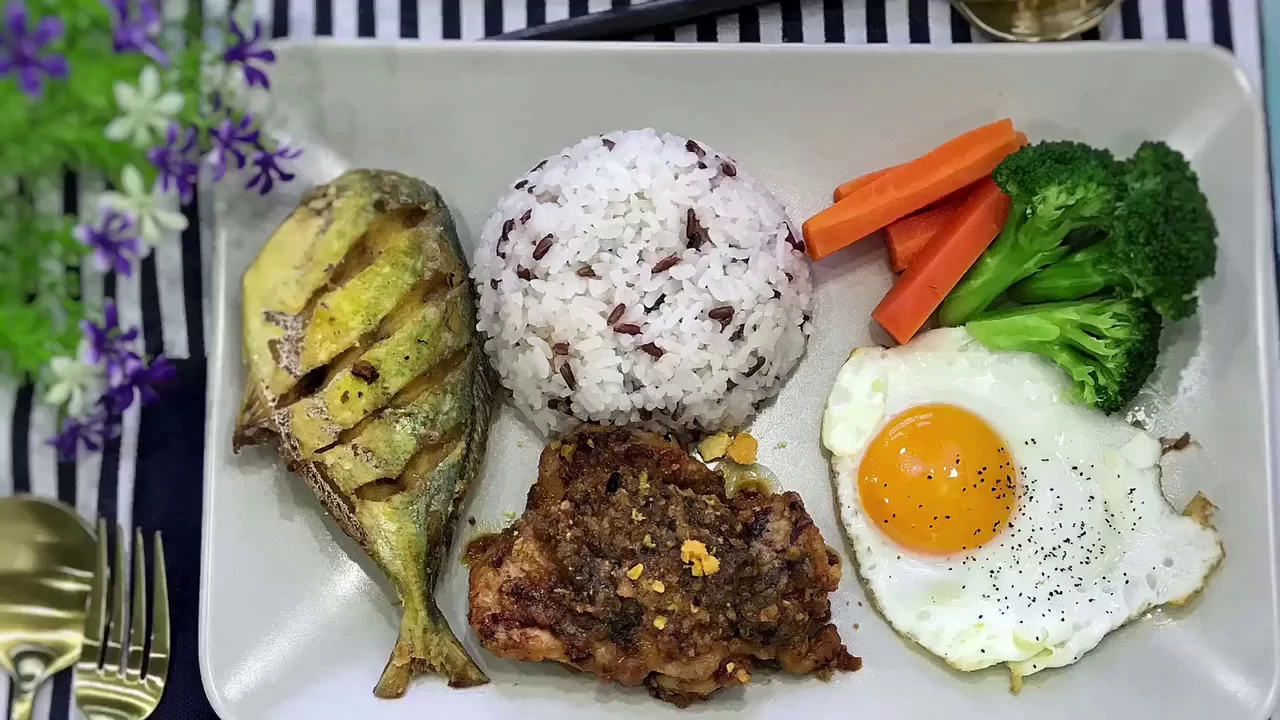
(40, 304)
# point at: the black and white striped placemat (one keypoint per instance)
(151, 475)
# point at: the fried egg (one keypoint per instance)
(994, 521)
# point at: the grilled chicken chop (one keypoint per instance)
(632, 564)
(364, 368)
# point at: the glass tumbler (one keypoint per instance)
(1034, 20)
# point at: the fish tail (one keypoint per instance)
(427, 645)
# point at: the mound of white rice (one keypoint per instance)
(641, 277)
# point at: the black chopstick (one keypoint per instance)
(623, 22)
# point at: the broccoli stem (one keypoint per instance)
(1009, 259)
(1014, 330)
(1108, 347)
(1071, 278)
(1052, 337)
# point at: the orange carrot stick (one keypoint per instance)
(947, 257)
(858, 183)
(908, 187)
(905, 238)
(845, 190)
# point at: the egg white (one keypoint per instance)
(1093, 542)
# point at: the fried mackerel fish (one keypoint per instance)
(632, 564)
(364, 369)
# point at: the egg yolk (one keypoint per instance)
(937, 479)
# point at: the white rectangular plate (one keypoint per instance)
(294, 622)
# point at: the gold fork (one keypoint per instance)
(109, 679)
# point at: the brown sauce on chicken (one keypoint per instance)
(633, 564)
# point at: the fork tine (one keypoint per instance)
(158, 664)
(137, 609)
(115, 640)
(95, 617)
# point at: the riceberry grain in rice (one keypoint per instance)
(694, 233)
(628, 328)
(722, 314)
(652, 349)
(670, 231)
(666, 264)
(616, 315)
(566, 372)
(544, 245)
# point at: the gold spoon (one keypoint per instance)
(46, 570)
(1034, 20)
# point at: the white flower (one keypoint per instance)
(73, 383)
(226, 81)
(242, 14)
(152, 219)
(175, 11)
(145, 111)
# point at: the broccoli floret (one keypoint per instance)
(1160, 246)
(1108, 347)
(1055, 188)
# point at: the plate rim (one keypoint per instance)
(1268, 306)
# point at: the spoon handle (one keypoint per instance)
(32, 669)
(23, 700)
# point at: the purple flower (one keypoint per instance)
(145, 379)
(76, 432)
(112, 242)
(107, 344)
(245, 49)
(227, 138)
(268, 168)
(90, 432)
(118, 398)
(20, 47)
(129, 379)
(156, 374)
(140, 383)
(175, 163)
(137, 34)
